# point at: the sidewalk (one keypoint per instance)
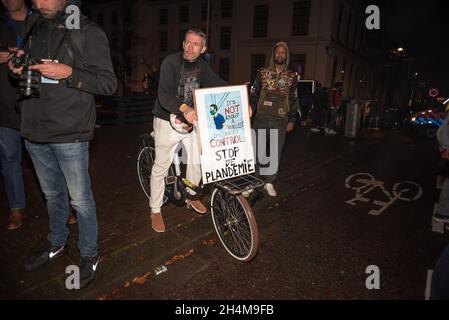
(128, 245)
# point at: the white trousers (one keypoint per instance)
(166, 142)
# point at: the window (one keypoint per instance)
(226, 8)
(301, 15)
(129, 67)
(114, 17)
(184, 14)
(114, 44)
(348, 31)
(225, 38)
(356, 32)
(182, 35)
(343, 71)
(163, 16)
(260, 21)
(88, 12)
(340, 19)
(100, 19)
(298, 64)
(362, 39)
(351, 69)
(128, 14)
(257, 62)
(334, 70)
(224, 68)
(204, 10)
(163, 41)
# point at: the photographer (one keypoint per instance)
(58, 122)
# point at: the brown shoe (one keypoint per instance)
(15, 219)
(198, 206)
(157, 223)
(72, 217)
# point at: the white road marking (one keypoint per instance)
(363, 183)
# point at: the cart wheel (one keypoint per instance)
(235, 224)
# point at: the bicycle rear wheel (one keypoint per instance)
(235, 224)
(145, 161)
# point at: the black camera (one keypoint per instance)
(29, 79)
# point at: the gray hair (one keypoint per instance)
(198, 32)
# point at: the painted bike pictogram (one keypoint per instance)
(364, 183)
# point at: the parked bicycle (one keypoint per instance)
(232, 216)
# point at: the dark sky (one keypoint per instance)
(422, 27)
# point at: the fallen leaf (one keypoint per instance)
(139, 280)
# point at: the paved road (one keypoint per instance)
(314, 245)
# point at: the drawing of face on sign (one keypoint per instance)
(217, 117)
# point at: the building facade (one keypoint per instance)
(328, 40)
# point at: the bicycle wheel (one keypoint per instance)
(408, 190)
(357, 181)
(235, 224)
(145, 160)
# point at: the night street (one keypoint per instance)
(313, 244)
(196, 153)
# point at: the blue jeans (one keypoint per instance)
(63, 170)
(11, 163)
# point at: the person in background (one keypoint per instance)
(335, 102)
(274, 96)
(320, 103)
(12, 22)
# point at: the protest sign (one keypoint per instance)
(225, 132)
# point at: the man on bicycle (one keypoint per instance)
(180, 74)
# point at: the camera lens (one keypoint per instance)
(29, 83)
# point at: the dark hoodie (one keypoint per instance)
(65, 112)
(275, 94)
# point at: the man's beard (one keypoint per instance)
(48, 14)
(279, 61)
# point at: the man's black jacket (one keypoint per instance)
(65, 112)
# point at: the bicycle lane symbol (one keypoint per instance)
(364, 183)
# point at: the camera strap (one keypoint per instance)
(28, 35)
(58, 48)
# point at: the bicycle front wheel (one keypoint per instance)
(235, 224)
(145, 161)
